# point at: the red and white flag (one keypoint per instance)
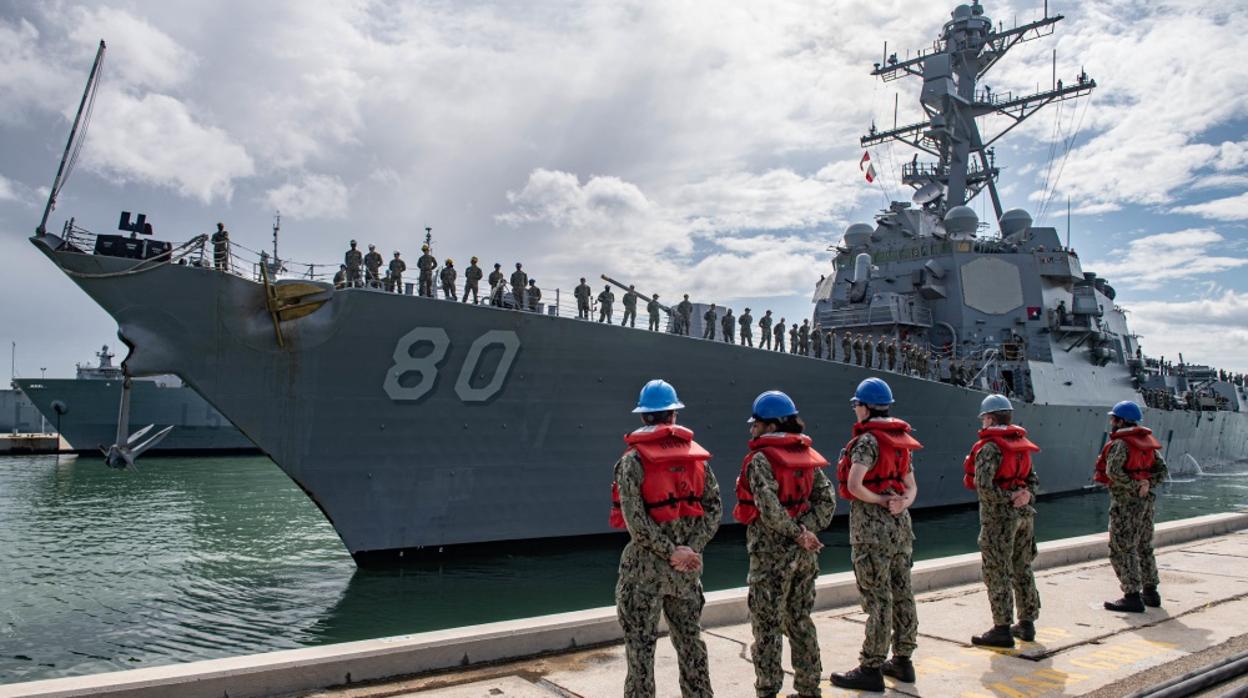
(866, 166)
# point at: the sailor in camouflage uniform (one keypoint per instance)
(858, 348)
(630, 307)
(747, 328)
(868, 352)
(728, 324)
(669, 501)
(999, 470)
(764, 331)
(784, 499)
(472, 280)
(582, 293)
(875, 475)
(779, 335)
(1132, 468)
(425, 264)
(448, 276)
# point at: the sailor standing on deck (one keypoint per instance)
(372, 267)
(728, 324)
(1131, 467)
(630, 307)
(472, 277)
(999, 470)
(397, 267)
(685, 310)
(764, 331)
(803, 337)
(747, 328)
(425, 265)
(221, 248)
(779, 335)
(519, 282)
(534, 296)
(582, 293)
(708, 323)
(875, 475)
(448, 277)
(652, 309)
(784, 499)
(354, 260)
(605, 299)
(660, 568)
(495, 280)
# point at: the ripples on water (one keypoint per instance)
(194, 558)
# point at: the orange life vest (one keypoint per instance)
(893, 465)
(793, 463)
(1016, 450)
(675, 474)
(1142, 450)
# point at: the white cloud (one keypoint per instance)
(8, 189)
(139, 55)
(154, 139)
(1153, 260)
(1232, 208)
(312, 196)
(1232, 156)
(1211, 330)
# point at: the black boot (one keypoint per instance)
(1129, 603)
(1150, 597)
(998, 636)
(900, 668)
(1024, 630)
(860, 678)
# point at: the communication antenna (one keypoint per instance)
(277, 228)
(1068, 222)
(429, 238)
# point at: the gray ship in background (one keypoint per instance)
(84, 410)
(416, 423)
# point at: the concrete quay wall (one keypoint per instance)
(313, 668)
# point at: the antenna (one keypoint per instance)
(88, 94)
(429, 238)
(277, 227)
(1068, 223)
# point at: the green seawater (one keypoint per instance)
(196, 558)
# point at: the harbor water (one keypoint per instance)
(195, 558)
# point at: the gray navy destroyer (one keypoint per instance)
(84, 410)
(416, 423)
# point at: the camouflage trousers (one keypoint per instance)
(1007, 545)
(1131, 541)
(638, 609)
(883, 576)
(781, 599)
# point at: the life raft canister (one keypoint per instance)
(675, 474)
(1142, 450)
(893, 465)
(793, 463)
(1016, 450)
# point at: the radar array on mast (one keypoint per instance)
(967, 49)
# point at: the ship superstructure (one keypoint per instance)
(416, 423)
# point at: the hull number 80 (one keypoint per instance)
(427, 365)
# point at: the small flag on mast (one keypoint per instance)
(866, 166)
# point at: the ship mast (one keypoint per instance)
(951, 70)
(62, 173)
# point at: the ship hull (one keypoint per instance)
(90, 408)
(416, 423)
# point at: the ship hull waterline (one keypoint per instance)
(416, 423)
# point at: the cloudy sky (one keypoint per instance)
(700, 147)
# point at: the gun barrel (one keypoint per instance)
(639, 293)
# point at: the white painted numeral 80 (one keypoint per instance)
(427, 365)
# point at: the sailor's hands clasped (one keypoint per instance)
(807, 540)
(684, 559)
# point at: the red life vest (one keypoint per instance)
(1141, 452)
(893, 465)
(1016, 450)
(675, 474)
(793, 463)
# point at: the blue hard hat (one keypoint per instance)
(658, 396)
(873, 391)
(772, 404)
(995, 403)
(1127, 410)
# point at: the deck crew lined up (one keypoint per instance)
(669, 501)
(900, 354)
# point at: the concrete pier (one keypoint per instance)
(1080, 648)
